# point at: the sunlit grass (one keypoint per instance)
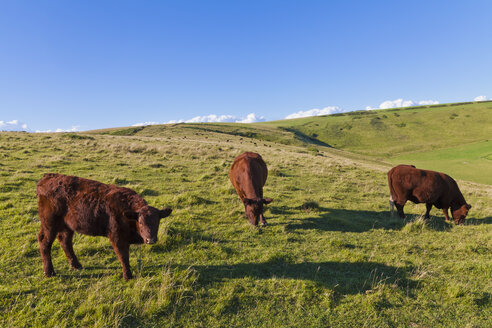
(331, 256)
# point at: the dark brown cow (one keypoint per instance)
(248, 175)
(68, 203)
(423, 186)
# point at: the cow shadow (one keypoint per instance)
(344, 277)
(475, 221)
(74, 276)
(179, 236)
(331, 219)
(436, 223)
(281, 210)
(19, 293)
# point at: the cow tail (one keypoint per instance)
(392, 192)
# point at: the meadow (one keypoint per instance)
(452, 138)
(332, 255)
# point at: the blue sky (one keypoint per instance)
(95, 64)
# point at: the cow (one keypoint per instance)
(406, 182)
(248, 175)
(69, 203)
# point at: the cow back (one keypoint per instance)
(248, 175)
(85, 205)
(424, 186)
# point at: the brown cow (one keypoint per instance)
(248, 175)
(423, 186)
(68, 203)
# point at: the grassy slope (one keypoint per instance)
(390, 132)
(444, 137)
(332, 255)
(472, 162)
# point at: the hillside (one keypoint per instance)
(446, 137)
(331, 256)
(453, 138)
(391, 132)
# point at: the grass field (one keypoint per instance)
(444, 137)
(332, 255)
(472, 162)
(392, 132)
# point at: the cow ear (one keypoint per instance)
(267, 200)
(165, 212)
(247, 201)
(468, 206)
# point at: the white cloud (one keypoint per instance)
(384, 105)
(400, 102)
(251, 118)
(428, 102)
(212, 118)
(480, 98)
(315, 112)
(173, 122)
(74, 128)
(13, 125)
(396, 103)
(146, 123)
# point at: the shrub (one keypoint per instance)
(74, 136)
(309, 206)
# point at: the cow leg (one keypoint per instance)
(399, 209)
(122, 250)
(262, 220)
(392, 207)
(65, 238)
(427, 212)
(253, 221)
(46, 237)
(445, 211)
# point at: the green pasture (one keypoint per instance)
(331, 256)
(392, 132)
(472, 162)
(452, 138)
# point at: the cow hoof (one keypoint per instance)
(264, 224)
(77, 266)
(50, 274)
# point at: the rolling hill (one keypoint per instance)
(331, 256)
(445, 137)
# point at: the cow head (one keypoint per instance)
(254, 209)
(148, 222)
(459, 215)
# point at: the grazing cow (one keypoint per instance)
(423, 186)
(68, 203)
(248, 175)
